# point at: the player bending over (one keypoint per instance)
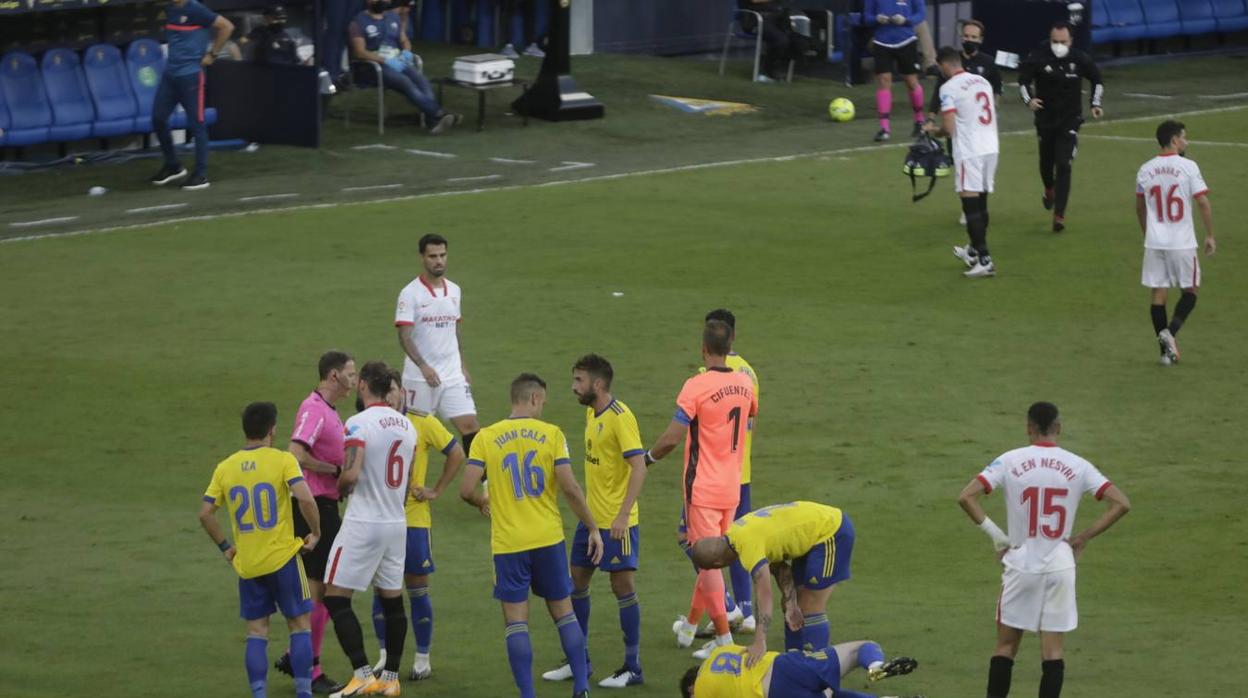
(819, 542)
(730, 673)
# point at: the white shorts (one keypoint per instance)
(365, 553)
(975, 174)
(448, 400)
(1038, 602)
(1170, 268)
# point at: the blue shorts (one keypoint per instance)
(287, 589)
(828, 562)
(544, 570)
(419, 559)
(617, 555)
(797, 674)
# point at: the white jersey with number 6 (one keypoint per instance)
(971, 97)
(1169, 184)
(1042, 485)
(388, 439)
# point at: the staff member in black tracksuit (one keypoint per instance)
(1051, 82)
(973, 61)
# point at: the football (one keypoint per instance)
(841, 109)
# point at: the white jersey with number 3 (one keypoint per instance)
(388, 439)
(971, 97)
(1042, 485)
(1169, 184)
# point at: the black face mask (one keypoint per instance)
(970, 48)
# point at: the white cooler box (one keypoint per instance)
(484, 69)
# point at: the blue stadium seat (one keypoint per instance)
(1161, 19)
(1232, 15)
(1126, 18)
(115, 107)
(1102, 31)
(144, 63)
(72, 110)
(1197, 17)
(30, 115)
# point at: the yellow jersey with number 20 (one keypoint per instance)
(253, 486)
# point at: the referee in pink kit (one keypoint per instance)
(317, 443)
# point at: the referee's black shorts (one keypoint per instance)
(903, 60)
(314, 562)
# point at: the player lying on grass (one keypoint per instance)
(818, 541)
(730, 672)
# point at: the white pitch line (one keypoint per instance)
(482, 178)
(268, 197)
(509, 161)
(521, 187)
(1142, 139)
(42, 221)
(570, 165)
(1145, 95)
(162, 207)
(1229, 95)
(432, 153)
(373, 187)
(374, 146)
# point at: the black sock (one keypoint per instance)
(1052, 673)
(1000, 669)
(983, 206)
(978, 231)
(467, 439)
(396, 630)
(1158, 313)
(347, 628)
(1187, 301)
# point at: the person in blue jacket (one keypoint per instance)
(895, 46)
(187, 26)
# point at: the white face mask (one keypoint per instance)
(1060, 50)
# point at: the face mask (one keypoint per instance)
(970, 47)
(1060, 50)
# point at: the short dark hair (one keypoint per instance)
(1167, 130)
(725, 315)
(376, 375)
(431, 239)
(974, 23)
(1044, 416)
(596, 367)
(258, 419)
(1061, 25)
(396, 377)
(717, 338)
(332, 360)
(524, 386)
(687, 681)
(949, 55)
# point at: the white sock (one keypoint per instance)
(725, 639)
(875, 665)
(421, 661)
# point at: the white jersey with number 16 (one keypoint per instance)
(971, 97)
(388, 440)
(1169, 184)
(1042, 485)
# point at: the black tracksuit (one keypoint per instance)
(1058, 83)
(980, 64)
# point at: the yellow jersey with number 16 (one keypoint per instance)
(519, 456)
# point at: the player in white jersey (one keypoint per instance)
(1167, 188)
(372, 542)
(435, 375)
(968, 115)
(1041, 484)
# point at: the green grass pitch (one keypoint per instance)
(888, 382)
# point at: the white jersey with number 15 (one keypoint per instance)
(388, 440)
(971, 97)
(1042, 485)
(1169, 184)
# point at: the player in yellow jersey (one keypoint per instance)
(807, 546)
(431, 435)
(729, 672)
(614, 475)
(739, 603)
(524, 458)
(255, 486)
